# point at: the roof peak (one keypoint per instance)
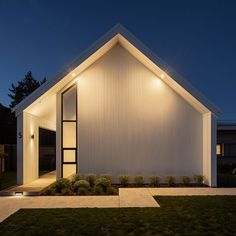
(138, 46)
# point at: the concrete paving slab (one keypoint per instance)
(192, 191)
(136, 197)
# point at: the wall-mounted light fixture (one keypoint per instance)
(19, 194)
(162, 76)
(20, 135)
(73, 74)
(32, 136)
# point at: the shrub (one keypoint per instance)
(139, 180)
(107, 176)
(124, 180)
(62, 184)
(154, 180)
(110, 190)
(75, 177)
(198, 179)
(98, 189)
(234, 171)
(186, 180)
(103, 182)
(66, 191)
(170, 180)
(49, 190)
(91, 178)
(81, 183)
(82, 190)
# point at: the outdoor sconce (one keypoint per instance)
(32, 136)
(20, 135)
(18, 194)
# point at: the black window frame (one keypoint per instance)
(73, 121)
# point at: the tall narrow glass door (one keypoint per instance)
(69, 131)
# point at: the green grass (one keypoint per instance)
(7, 179)
(199, 215)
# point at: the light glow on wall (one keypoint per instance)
(157, 82)
(73, 74)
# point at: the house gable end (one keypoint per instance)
(137, 49)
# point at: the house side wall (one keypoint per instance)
(213, 151)
(58, 136)
(209, 149)
(27, 147)
(131, 122)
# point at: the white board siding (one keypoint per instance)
(27, 147)
(130, 123)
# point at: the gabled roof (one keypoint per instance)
(119, 34)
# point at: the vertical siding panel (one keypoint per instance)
(131, 124)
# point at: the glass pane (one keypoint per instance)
(218, 149)
(69, 104)
(69, 134)
(69, 169)
(69, 155)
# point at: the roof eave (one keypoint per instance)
(117, 30)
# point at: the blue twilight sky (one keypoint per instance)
(196, 37)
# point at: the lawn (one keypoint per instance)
(7, 179)
(199, 215)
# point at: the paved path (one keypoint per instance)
(128, 197)
(36, 185)
(136, 197)
(9, 205)
(192, 191)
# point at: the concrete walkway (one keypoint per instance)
(128, 197)
(9, 205)
(34, 187)
(192, 191)
(136, 197)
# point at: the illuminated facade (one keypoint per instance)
(119, 111)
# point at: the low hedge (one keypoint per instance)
(103, 186)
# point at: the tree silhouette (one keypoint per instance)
(23, 88)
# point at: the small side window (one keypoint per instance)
(218, 150)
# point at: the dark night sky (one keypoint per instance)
(197, 38)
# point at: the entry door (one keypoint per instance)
(47, 151)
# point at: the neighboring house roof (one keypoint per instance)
(119, 34)
(226, 125)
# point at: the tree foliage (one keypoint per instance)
(23, 88)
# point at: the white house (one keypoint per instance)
(119, 110)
